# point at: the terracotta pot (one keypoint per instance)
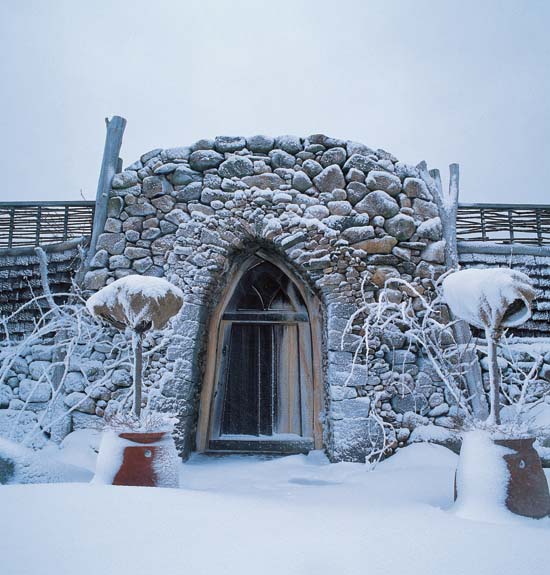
(528, 492)
(139, 459)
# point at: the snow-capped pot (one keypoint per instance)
(498, 467)
(138, 450)
(498, 474)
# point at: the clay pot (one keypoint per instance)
(140, 459)
(528, 492)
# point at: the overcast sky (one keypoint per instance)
(444, 81)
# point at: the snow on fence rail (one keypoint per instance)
(40, 223)
(504, 223)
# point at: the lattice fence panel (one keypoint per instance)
(499, 223)
(39, 223)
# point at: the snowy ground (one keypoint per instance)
(244, 515)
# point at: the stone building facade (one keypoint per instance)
(337, 217)
(276, 243)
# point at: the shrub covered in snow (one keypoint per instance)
(69, 371)
(422, 319)
(138, 303)
(491, 299)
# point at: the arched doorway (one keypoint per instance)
(259, 392)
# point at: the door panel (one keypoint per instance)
(262, 379)
(241, 380)
(289, 420)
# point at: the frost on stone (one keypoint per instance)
(434, 434)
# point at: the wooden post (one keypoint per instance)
(448, 206)
(494, 375)
(109, 166)
(447, 203)
(138, 371)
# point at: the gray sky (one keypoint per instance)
(445, 81)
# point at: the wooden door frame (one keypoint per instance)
(314, 309)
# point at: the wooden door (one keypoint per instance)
(263, 399)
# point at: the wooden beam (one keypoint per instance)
(109, 166)
(447, 203)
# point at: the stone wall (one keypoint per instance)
(338, 214)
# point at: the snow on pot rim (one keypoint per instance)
(489, 298)
(137, 301)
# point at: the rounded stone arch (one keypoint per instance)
(241, 263)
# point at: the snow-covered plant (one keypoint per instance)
(137, 303)
(492, 300)
(71, 334)
(421, 318)
(69, 329)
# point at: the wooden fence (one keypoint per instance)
(40, 223)
(504, 223)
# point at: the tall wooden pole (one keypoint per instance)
(447, 203)
(138, 371)
(492, 338)
(110, 165)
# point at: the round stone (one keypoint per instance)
(333, 156)
(312, 168)
(204, 160)
(339, 208)
(260, 144)
(377, 180)
(316, 212)
(301, 181)
(329, 179)
(378, 203)
(236, 166)
(356, 191)
(229, 143)
(125, 179)
(281, 159)
(416, 188)
(430, 229)
(338, 194)
(184, 175)
(358, 234)
(290, 144)
(401, 227)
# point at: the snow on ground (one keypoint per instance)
(249, 515)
